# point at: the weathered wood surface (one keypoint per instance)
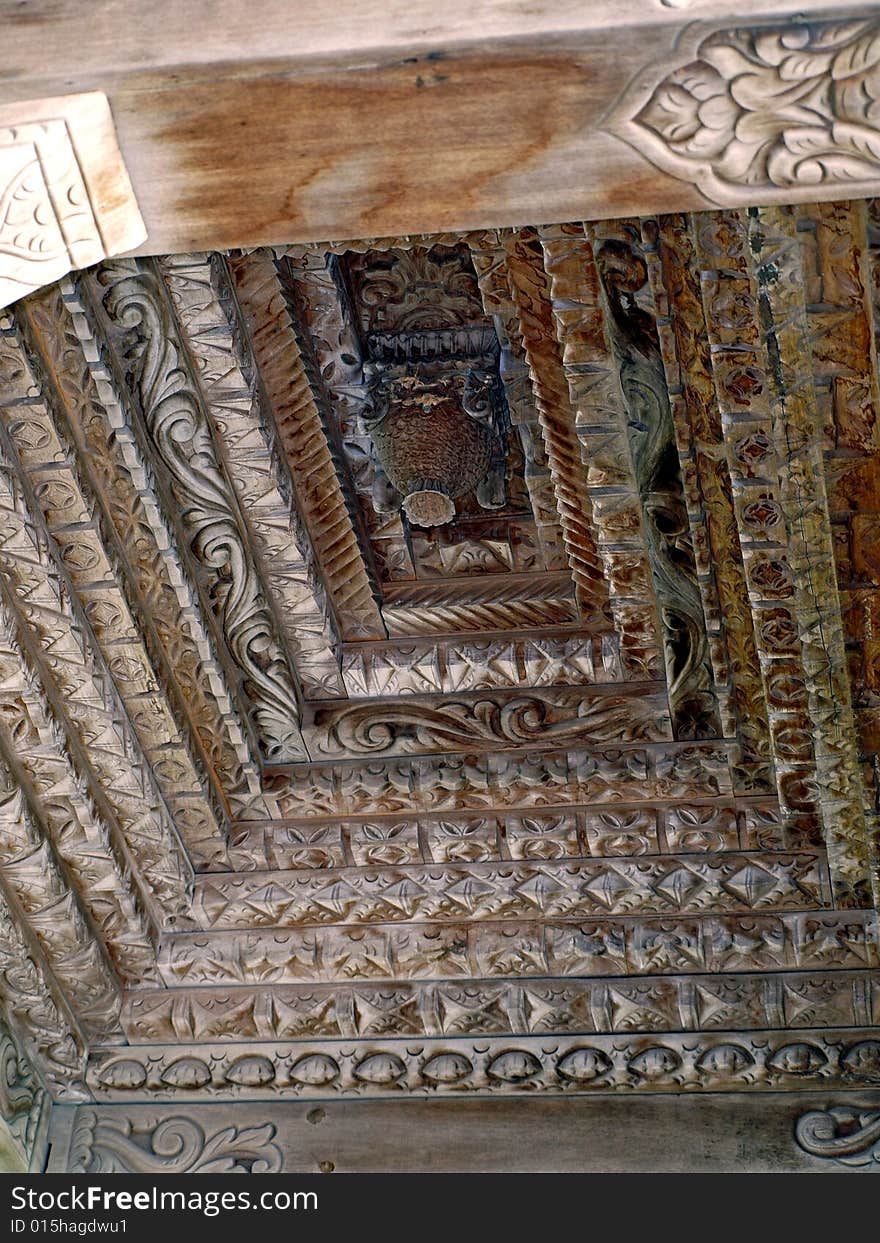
(282, 123)
(712, 1134)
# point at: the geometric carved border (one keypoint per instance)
(65, 197)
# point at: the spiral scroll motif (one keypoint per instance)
(177, 1145)
(842, 1133)
(182, 441)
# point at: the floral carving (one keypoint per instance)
(176, 1145)
(760, 110)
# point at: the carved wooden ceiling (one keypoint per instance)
(447, 664)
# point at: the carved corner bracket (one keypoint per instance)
(65, 197)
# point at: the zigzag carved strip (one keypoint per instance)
(529, 293)
(600, 417)
(767, 403)
(686, 356)
(534, 833)
(370, 670)
(37, 1012)
(477, 1007)
(577, 888)
(95, 858)
(72, 675)
(157, 584)
(55, 916)
(292, 402)
(533, 778)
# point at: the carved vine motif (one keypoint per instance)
(414, 726)
(183, 443)
(764, 109)
(667, 531)
(843, 1133)
(176, 1145)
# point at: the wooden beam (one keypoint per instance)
(282, 122)
(721, 1132)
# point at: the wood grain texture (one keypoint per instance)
(490, 115)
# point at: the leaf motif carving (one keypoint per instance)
(177, 1145)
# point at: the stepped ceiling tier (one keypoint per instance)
(447, 665)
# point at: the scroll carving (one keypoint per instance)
(425, 726)
(40, 436)
(51, 1036)
(755, 112)
(633, 332)
(23, 1100)
(176, 1145)
(842, 1133)
(200, 290)
(179, 435)
(162, 594)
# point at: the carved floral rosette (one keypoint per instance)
(760, 111)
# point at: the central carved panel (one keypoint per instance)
(428, 457)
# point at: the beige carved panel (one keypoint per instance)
(65, 198)
(777, 109)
